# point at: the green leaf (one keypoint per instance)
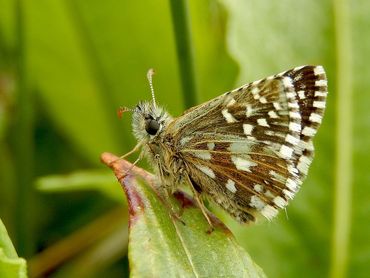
(10, 265)
(85, 60)
(162, 246)
(327, 226)
(98, 180)
(85, 65)
(357, 55)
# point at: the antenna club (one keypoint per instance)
(150, 73)
(122, 110)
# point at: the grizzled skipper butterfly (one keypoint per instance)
(247, 150)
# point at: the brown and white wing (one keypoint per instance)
(250, 148)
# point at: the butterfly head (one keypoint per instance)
(148, 120)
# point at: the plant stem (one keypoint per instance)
(70, 246)
(343, 194)
(185, 57)
(23, 143)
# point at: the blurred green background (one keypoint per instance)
(66, 66)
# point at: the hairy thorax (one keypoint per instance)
(166, 160)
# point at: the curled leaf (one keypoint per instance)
(160, 245)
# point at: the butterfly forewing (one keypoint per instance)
(250, 148)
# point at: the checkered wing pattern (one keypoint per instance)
(250, 149)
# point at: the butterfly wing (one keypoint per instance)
(250, 149)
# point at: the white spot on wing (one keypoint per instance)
(303, 164)
(320, 94)
(293, 105)
(258, 188)
(286, 151)
(269, 212)
(231, 102)
(309, 131)
(295, 127)
(292, 185)
(291, 139)
(242, 164)
(318, 70)
(240, 147)
(269, 194)
(319, 104)
(277, 105)
(263, 100)
(322, 82)
(247, 129)
(262, 122)
(230, 185)
(294, 115)
(316, 118)
(257, 203)
(211, 146)
(280, 202)
(301, 94)
(206, 170)
(249, 110)
(255, 90)
(288, 194)
(202, 155)
(272, 114)
(290, 95)
(287, 81)
(184, 140)
(228, 117)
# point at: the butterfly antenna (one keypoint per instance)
(150, 79)
(122, 110)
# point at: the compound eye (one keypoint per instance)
(152, 126)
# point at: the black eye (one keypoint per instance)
(152, 126)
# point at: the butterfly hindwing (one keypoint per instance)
(250, 148)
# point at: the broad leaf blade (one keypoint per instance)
(359, 243)
(162, 246)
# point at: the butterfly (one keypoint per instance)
(248, 150)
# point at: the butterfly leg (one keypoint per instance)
(174, 214)
(135, 149)
(201, 205)
(129, 169)
(164, 194)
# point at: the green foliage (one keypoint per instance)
(65, 67)
(11, 266)
(98, 180)
(161, 246)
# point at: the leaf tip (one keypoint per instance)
(136, 203)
